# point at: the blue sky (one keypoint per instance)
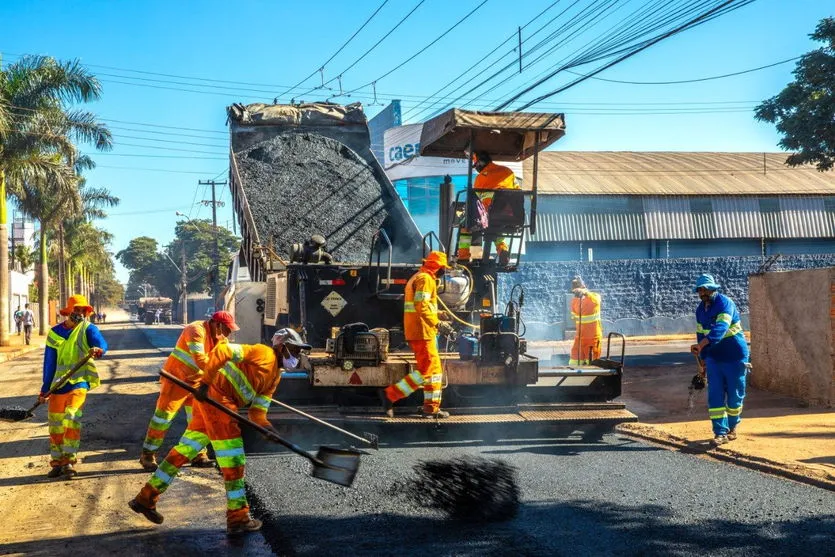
(264, 48)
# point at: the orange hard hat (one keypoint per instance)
(77, 301)
(436, 259)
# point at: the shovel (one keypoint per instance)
(367, 438)
(337, 466)
(19, 414)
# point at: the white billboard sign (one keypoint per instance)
(402, 157)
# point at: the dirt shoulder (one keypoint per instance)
(778, 434)
(89, 515)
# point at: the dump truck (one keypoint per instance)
(303, 170)
(147, 309)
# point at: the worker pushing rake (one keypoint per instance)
(237, 376)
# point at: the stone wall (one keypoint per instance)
(793, 334)
(640, 296)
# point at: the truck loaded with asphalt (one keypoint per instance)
(305, 172)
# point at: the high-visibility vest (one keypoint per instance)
(420, 308)
(70, 350)
(586, 310)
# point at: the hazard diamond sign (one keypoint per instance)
(333, 303)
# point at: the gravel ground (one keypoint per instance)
(619, 497)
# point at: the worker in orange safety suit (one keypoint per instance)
(237, 375)
(585, 311)
(491, 176)
(420, 327)
(187, 362)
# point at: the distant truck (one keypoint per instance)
(147, 310)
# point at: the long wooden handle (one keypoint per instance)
(64, 378)
(260, 429)
(322, 422)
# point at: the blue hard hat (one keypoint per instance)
(706, 281)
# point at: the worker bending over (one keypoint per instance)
(237, 375)
(585, 311)
(66, 344)
(491, 176)
(187, 362)
(420, 326)
(722, 346)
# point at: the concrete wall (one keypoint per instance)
(640, 296)
(793, 334)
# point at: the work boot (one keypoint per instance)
(148, 512)
(439, 415)
(732, 435)
(55, 472)
(504, 258)
(68, 471)
(202, 460)
(148, 461)
(720, 440)
(252, 525)
(388, 406)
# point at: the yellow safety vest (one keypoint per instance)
(70, 351)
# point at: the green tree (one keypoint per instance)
(37, 130)
(804, 112)
(139, 258)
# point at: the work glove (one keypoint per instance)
(202, 392)
(445, 329)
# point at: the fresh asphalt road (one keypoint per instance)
(615, 497)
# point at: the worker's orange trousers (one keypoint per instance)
(64, 420)
(171, 399)
(207, 425)
(588, 340)
(428, 374)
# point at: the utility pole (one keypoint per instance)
(184, 280)
(215, 256)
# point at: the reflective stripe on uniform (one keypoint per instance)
(237, 352)
(54, 340)
(261, 403)
(590, 318)
(701, 330)
(724, 318)
(423, 295)
(185, 357)
(239, 381)
(716, 413)
(733, 411)
(408, 307)
(734, 329)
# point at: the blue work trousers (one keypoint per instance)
(725, 393)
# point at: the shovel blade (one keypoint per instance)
(338, 466)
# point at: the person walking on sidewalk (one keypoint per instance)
(18, 320)
(187, 362)
(67, 343)
(237, 375)
(721, 344)
(28, 320)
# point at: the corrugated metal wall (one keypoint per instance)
(619, 218)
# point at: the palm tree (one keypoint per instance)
(37, 130)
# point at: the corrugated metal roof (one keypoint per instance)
(682, 218)
(673, 173)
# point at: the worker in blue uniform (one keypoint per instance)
(721, 344)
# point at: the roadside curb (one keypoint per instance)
(796, 472)
(12, 354)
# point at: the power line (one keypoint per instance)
(322, 67)
(144, 169)
(695, 80)
(367, 52)
(422, 50)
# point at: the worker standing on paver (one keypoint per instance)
(66, 344)
(237, 375)
(722, 346)
(491, 176)
(420, 327)
(187, 362)
(585, 311)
